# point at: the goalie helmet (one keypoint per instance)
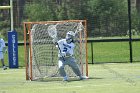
(70, 36)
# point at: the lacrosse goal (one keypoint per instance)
(41, 55)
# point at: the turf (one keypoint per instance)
(103, 78)
(113, 52)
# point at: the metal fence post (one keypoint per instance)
(92, 52)
(130, 34)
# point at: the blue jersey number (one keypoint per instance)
(65, 49)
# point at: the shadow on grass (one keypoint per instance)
(71, 79)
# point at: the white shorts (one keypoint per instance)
(1, 55)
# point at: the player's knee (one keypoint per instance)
(75, 67)
(61, 67)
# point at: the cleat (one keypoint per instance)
(83, 77)
(65, 78)
(4, 67)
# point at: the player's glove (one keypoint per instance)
(63, 54)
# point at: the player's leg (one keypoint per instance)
(4, 67)
(62, 72)
(2, 61)
(74, 66)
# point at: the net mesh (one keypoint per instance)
(43, 58)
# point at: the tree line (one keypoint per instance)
(105, 17)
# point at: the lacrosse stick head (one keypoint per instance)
(52, 31)
(80, 27)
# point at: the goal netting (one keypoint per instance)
(41, 55)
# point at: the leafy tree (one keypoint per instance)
(138, 6)
(38, 12)
(43, 10)
(108, 15)
(105, 17)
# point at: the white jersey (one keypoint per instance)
(65, 47)
(2, 45)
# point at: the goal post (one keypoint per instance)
(11, 13)
(41, 55)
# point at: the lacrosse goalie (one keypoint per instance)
(66, 50)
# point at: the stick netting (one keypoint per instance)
(44, 54)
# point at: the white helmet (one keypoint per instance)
(70, 36)
(71, 33)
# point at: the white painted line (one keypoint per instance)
(68, 87)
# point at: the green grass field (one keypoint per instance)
(103, 78)
(113, 52)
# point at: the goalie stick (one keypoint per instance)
(52, 31)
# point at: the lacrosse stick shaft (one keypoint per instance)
(60, 52)
(53, 33)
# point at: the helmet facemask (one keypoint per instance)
(70, 37)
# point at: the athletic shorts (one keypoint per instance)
(1, 55)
